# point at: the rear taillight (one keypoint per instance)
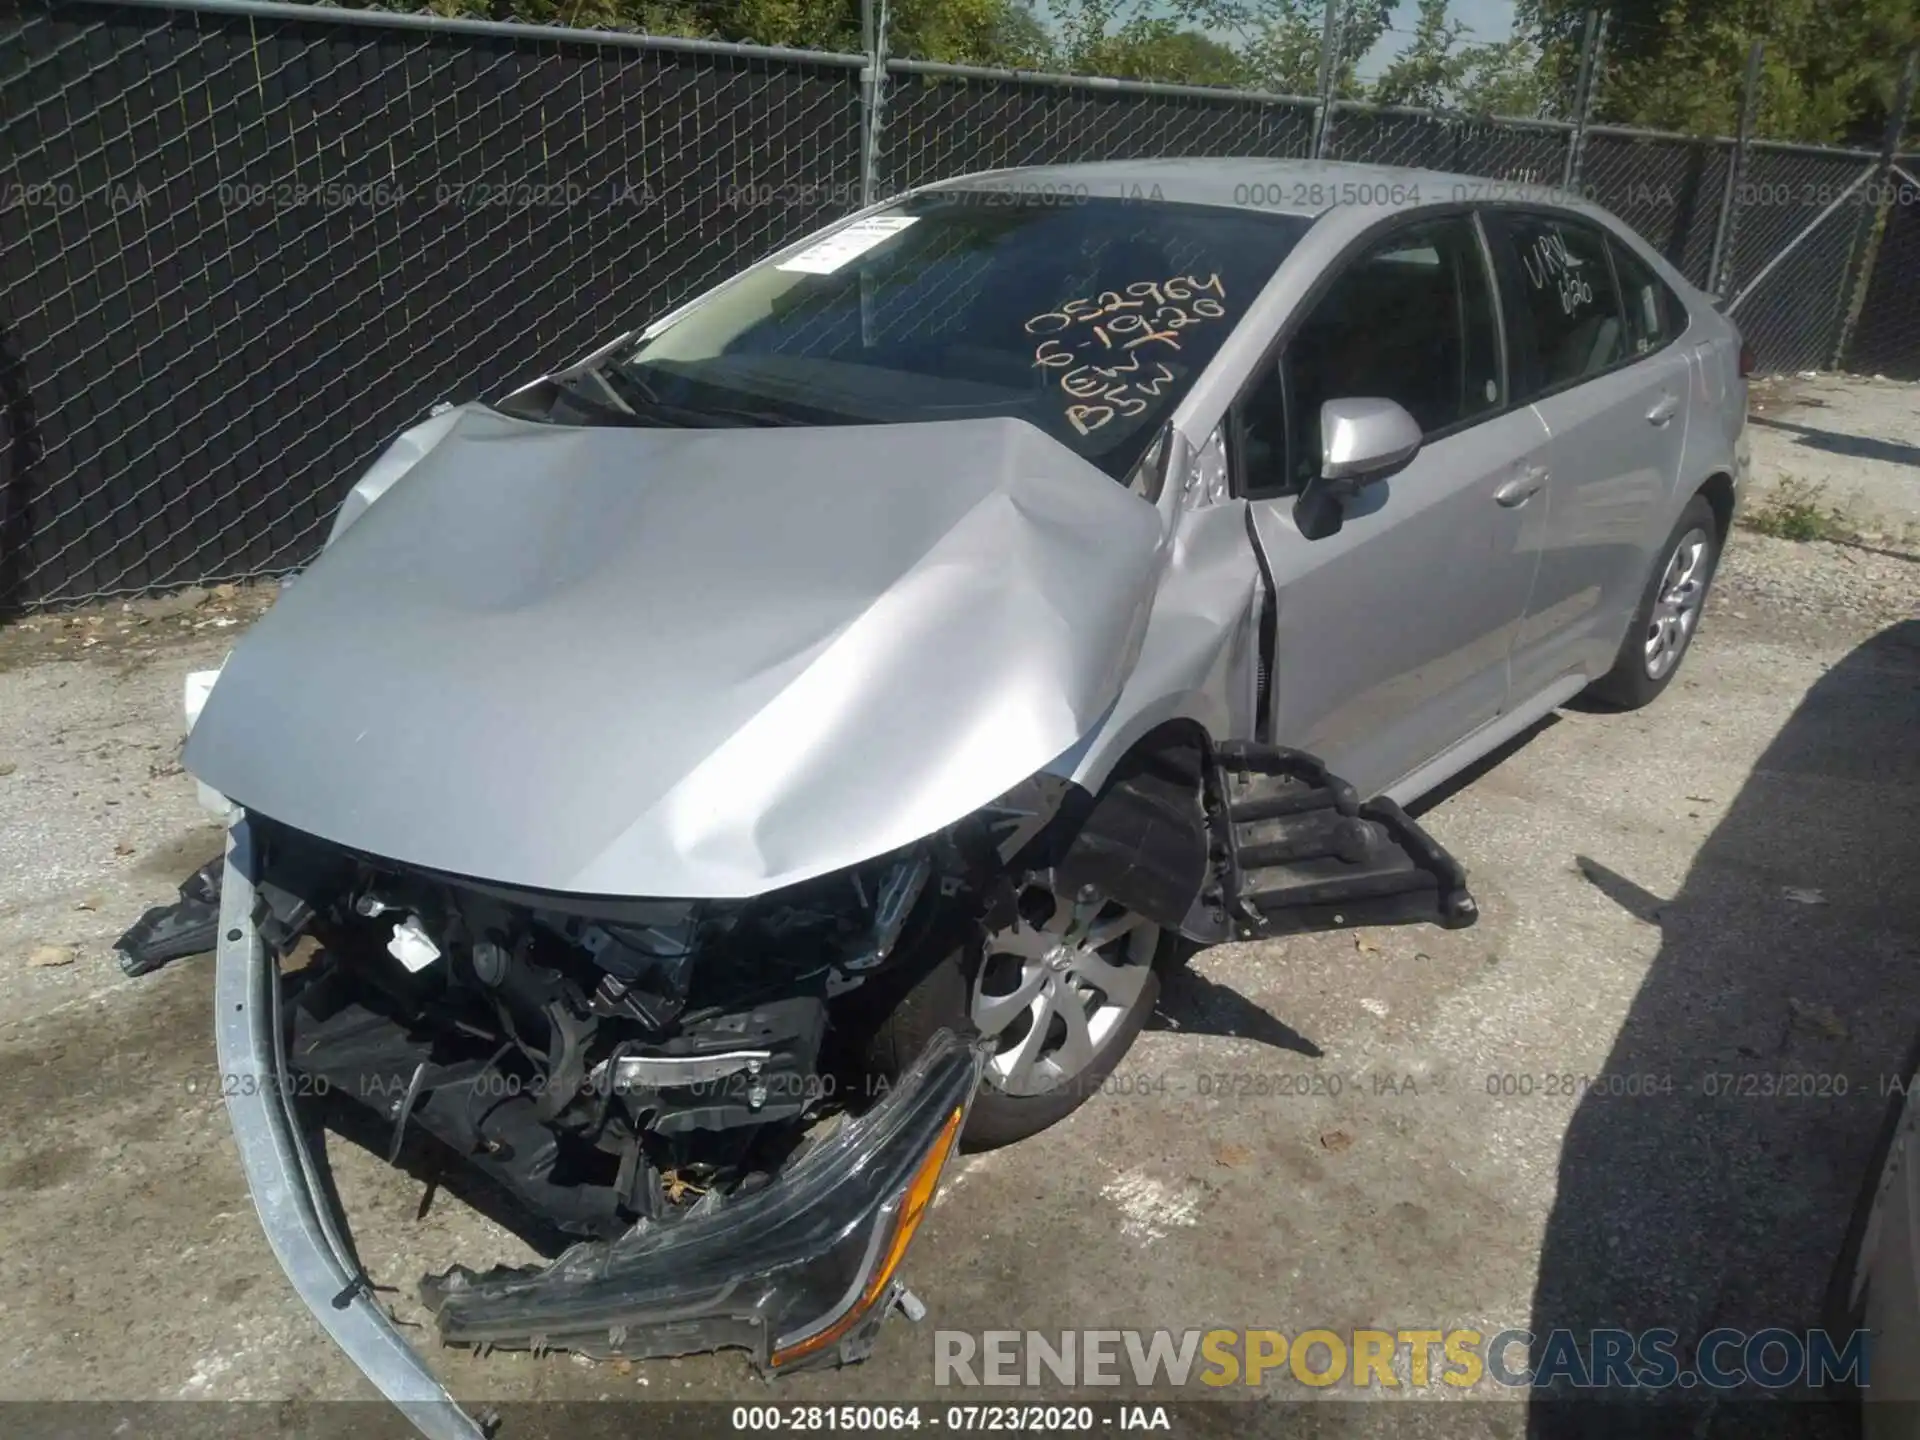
(1746, 360)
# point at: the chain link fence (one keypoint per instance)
(1524, 152)
(1792, 255)
(243, 244)
(241, 252)
(1886, 334)
(1667, 188)
(944, 120)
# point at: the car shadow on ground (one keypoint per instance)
(1835, 442)
(1192, 1004)
(1710, 1170)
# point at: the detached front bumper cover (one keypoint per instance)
(800, 1273)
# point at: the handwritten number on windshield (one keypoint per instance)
(1098, 363)
(1164, 295)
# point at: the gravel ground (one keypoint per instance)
(1719, 884)
(1856, 440)
(1818, 579)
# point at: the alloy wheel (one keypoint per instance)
(1676, 609)
(1052, 992)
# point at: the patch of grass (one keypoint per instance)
(1796, 509)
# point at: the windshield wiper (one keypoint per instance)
(588, 398)
(641, 397)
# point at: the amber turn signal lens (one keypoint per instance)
(914, 1202)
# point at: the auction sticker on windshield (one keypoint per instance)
(828, 255)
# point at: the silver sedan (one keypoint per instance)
(722, 773)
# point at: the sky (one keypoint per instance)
(1488, 20)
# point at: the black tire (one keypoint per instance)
(942, 998)
(1631, 683)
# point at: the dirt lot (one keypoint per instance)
(1852, 441)
(1719, 886)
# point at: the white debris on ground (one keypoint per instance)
(1149, 1208)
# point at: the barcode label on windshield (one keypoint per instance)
(828, 255)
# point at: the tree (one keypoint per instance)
(1022, 41)
(1831, 67)
(1281, 40)
(1439, 71)
(1830, 72)
(980, 32)
(1263, 44)
(1160, 49)
(1507, 78)
(1141, 40)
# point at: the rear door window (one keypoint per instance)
(1565, 314)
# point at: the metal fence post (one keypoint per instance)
(873, 95)
(410, 64)
(1720, 269)
(1332, 37)
(1591, 46)
(1873, 213)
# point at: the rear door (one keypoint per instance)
(1612, 392)
(1391, 637)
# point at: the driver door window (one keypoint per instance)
(1411, 320)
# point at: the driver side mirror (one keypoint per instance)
(1361, 440)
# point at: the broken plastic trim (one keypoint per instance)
(799, 1273)
(166, 933)
(281, 1175)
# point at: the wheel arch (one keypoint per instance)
(1719, 492)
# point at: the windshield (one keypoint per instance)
(1089, 319)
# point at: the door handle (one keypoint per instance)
(1521, 488)
(1663, 409)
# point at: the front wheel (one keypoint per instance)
(1669, 612)
(1061, 993)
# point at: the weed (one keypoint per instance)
(1795, 509)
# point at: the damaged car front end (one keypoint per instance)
(798, 1269)
(451, 937)
(689, 795)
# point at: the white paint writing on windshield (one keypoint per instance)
(1552, 267)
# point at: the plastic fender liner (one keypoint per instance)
(1296, 850)
(1143, 841)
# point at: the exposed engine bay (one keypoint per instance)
(605, 1061)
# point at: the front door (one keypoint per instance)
(1391, 637)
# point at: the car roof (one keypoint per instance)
(1285, 187)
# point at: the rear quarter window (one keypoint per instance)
(1654, 314)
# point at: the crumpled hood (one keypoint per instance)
(686, 663)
